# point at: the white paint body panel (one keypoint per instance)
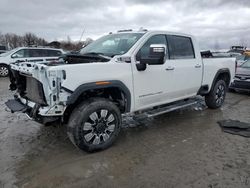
(212, 65)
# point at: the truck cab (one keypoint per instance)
(166, 80)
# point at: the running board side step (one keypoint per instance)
(170, 108)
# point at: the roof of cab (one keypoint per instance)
(152, 32)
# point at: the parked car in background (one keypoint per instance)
(3, 49)
(237, 49)
(218, 54)
(222, 54)
(234, 54)
(241, 80)
(27, 54)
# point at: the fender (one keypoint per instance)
(5, 64)
(220, 71)
(205, 89)
(94, 85)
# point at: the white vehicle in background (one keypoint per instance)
(27, 54)
(144, 72)
(224, 53)
(221, 54)
(3, 49)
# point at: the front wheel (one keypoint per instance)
(216, 96)
(4, 70)
(94, 124)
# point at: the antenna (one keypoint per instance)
(83, 31)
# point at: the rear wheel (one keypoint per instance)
(216, 96)
(4, 70)
(94, 125)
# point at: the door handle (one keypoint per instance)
(169, 68)
(197, 66)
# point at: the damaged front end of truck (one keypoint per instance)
(38, 92)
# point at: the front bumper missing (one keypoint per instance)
(15, 105)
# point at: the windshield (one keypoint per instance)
(113, 44)
(246, 64)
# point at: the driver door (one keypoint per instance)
(150, 85)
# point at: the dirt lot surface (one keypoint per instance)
(180, 149)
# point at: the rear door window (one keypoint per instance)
(54, 53)
(35, 53)
(180, 47)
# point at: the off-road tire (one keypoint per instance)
(4, 70)
(216, 96)
(81, 119)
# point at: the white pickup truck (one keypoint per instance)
(128, 72)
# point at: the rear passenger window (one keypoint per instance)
(54, 53)
(35, 53)
(180, 47)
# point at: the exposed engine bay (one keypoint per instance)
(79, 58)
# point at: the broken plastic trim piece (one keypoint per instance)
(15, 106)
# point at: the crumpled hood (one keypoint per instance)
(79, 58)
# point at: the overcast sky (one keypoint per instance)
(218, 23)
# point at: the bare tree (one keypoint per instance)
(12, 40)
(88, 41)
(2, 41)
(29, 39)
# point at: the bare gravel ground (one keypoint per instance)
(180, 149)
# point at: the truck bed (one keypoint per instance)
(209, 70)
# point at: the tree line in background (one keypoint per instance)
(11, 41)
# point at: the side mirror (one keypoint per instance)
(141, 66)
(156, 56)
(14, 56)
